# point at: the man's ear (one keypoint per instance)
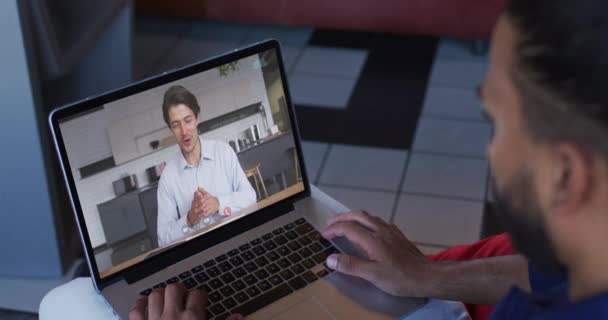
(572, 178)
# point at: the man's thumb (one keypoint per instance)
(351, 265)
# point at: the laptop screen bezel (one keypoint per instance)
(203, 241)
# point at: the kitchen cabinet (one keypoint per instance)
(121, 218)
(149, 205)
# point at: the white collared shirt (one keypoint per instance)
(219, 173)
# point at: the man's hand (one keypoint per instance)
(173, 303)
(203, 205)
(394, 264)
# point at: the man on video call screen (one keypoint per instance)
(204, 182)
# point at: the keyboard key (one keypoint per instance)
(233, 252)
(256, 242)
(294, 257)
(159, 286)
(304, 240)
(239, 272)
(236, 261)
(229, 303)
(273, 268)
(225, 266)
(300, 221)
(217, 309)
(297, 269)
(261, 274)
(146, 292)
(308, 264)
(284, 263)
(238, 285)
(309, 276)
(325, 243)
(278, 231)
(269, 245)
(189, 283)
(315, 236)
(289, 226)
(201, 277)
(250, 279)
(197, 269)
(227, 291)
(204, 287)
(261, 261)
(315, 247)
(209, 263)
(267, 236)
(227, 278)
(252, 291)
(185, 275)
(305, 252)
(213, 272)
(259, 250)
(215, 284)
(273, 256)
(172, 280)
(294, 245)
(245, 247)
(263, 300)
(304, 229)
(280, 240)
(221, 257)
(215, 296)
(241, 297)
(275, 280)
(264, 285)
(322, 256)
(322, 273)
(286, 274)
(250, 266)
(291, 235)
(283, 251)
(247, 255)
(297, 283)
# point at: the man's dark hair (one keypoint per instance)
(561, 69)
(176, 95)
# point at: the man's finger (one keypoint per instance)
(138, 311)
(196, 301)
(352, 265)
(156, 302)
(364, 218)
(355, 232)
(174, 298)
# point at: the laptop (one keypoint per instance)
(197, 176)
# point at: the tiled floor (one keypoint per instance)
(419, 163)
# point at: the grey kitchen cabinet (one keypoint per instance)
(122, 217)
(149, 204)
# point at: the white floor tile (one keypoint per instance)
(290, 54)
(331, 61)
(378, 203)
(314, 152)
(458, 103)
(287, 36)
(458, 73)
(374, 168)
(455, 137)
(321, 91)
(191, 50)
(438, 220)
(446, 176)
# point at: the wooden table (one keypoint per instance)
(288, 192)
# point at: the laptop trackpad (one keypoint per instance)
(310, 308)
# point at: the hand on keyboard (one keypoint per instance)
(394, 264)
(173, 303)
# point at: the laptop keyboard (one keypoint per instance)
(256, 274)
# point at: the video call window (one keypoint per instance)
(163, 166)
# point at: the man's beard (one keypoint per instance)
(518, 211)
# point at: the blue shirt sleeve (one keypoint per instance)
(542, 282)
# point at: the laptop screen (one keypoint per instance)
(166, 165)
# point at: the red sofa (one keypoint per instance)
(468, 19)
